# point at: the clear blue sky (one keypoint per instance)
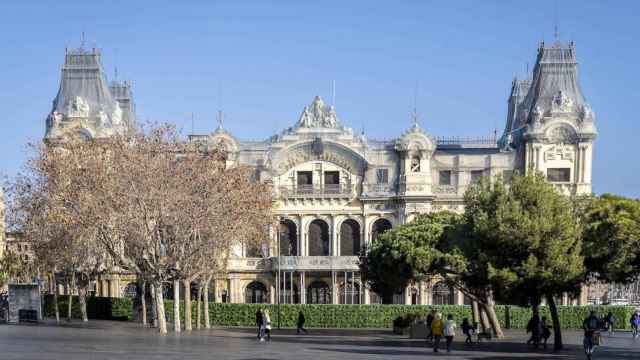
(262, 61)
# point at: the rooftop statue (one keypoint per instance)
(318, 115)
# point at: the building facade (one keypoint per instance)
(337, 190)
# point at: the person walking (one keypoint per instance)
(300, 323)
(259, 322)
(266, 319)
(590, 325)
(635, 323)
(437, 329)
(429, 321)
(609, 322)
(545, 331)
(467, 330)
(533, 327)
(449, 331)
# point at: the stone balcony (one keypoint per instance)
(316, 191)
(379, 190)
(295, 263)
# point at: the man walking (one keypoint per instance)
(300, 323)
(259, 322)
(590, 325)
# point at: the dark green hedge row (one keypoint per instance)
(336, 316)
(102, 308)
(382, 316)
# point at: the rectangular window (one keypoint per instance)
(305, 178)
(445, 177)
(331, 177)
(559, 174)
(476, 175)
(382, 176)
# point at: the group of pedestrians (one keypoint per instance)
(263, 323)
(437, 328)
(540, 330)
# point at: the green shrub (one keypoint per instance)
(102, 308)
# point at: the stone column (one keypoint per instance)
(334, 288)
(333, 249)
(233, 293)
(300, 233)
(303, 289)
(421, 293)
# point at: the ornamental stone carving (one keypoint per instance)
(78, 107)
(561, 103)
(318, 115)
(561, 135)
(558, 152)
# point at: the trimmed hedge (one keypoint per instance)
(382, 316)
(335, 316)
(102, 308)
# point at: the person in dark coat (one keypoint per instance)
(533, 327)
(545, 331)
(300, 323)
(467, 330)
(259, 322)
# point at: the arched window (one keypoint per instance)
(442, 294)
(318, 292)
(349, 294)
(288, 238)
(349, 238)
(379, 226)
(318, 238)
(256, 293)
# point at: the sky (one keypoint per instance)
(261, 62)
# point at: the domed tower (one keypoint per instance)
(554, 127)
(84, 105)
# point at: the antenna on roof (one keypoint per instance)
(192, 123)
(220, 119)
(82, 40)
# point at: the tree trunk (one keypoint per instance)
(484, 319)
(205, 300)
(490, 310)
(143, 301)
(70, 304)
(55, 297)
(161, 320)
(176, 306)
(475, 312)
(557, 332)
(187, 305)
(199, 307)
(154, 306)
(82, 299)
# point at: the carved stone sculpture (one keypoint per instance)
(78, 108)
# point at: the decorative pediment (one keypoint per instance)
(318, 115)
(562, 103)
(415, 139)
(562, 135)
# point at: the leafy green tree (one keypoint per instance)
(612, 238)
(409, 252)
(529, 240)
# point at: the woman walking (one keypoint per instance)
(437, 329)
(267, 323)
(449, 331)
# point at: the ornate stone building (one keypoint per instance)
(337, 190)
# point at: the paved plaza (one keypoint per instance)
(101, 340)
